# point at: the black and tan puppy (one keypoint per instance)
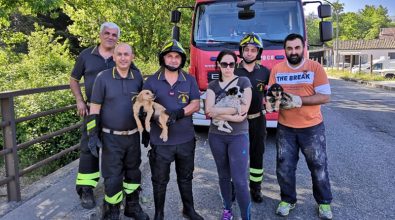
(146, 99)
(275, 96)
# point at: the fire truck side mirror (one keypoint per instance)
(324, 11)
(175, 16)
(325, 31)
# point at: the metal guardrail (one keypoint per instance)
(10, 149)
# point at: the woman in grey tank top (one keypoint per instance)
(230, 149)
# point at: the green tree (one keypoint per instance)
(353, 27)
(144, 23)
(337, 8)
(376, 18)
(313, 32)
(26, 7)
(47, 63)
(365, 24)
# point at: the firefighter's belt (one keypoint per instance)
(109, 131)
(256, 115)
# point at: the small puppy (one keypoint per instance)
(275, 96)
(234, 98)
(146, 99)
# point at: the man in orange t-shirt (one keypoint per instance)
(301, 126)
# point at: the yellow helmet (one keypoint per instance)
(172, 46)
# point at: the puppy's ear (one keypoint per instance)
(280, 88)
(269, 90)
(139, 97)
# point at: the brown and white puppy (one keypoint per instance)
(146, 99)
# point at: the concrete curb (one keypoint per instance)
(387, 85)
(39, 186)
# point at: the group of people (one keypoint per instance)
(112, 82)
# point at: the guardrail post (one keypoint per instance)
(11, 159)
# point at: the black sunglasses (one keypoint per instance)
(224, 65)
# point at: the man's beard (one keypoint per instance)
(295, 59)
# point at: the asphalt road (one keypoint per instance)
(361, 137)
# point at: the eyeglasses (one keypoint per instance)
(224, 65)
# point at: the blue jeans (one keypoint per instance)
(231, 155)
(312, 142)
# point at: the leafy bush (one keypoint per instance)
(147, 67)
(48, 63)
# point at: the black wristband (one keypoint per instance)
(92, 123)
(180, 113)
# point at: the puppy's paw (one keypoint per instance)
(227, 126)
(163, 137)
(148, 128)
(140, 129)
(224, 129)
(227, 130)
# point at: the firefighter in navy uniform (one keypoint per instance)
(250, 51)
(111, 112)
(90, 62)
(178, 92)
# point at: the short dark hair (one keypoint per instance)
(219, 58)
(293, 36)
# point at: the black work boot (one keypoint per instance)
(87, 198)
(159, 199)
(133, 208)
(187, 200)
(255, 192)
(110, 211)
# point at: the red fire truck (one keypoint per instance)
(221, 24)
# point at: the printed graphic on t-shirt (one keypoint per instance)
(183, 97)
(260, 85)
(306, 77)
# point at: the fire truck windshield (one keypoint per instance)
(216, 24)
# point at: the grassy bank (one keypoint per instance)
(346, 74)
